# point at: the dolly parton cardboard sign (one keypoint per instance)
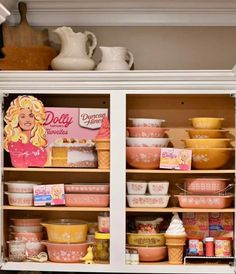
(24, 133)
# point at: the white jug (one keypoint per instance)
(115, 58)
(76, 51)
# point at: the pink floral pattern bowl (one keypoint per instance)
(66, 253)
(143, 157)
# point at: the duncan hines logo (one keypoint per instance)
(91, 118)
(60, 120)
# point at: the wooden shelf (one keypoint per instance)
(160, 171)
(55, 208)
(45, 169)
(177, 209)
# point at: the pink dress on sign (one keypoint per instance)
(27, 155)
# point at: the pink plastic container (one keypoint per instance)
(206, 201)
(93, 200)
(146, 132)
(206, 185)
(66, 253)
(87, 188)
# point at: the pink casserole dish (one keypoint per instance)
(206, 201)
(206, 185)
(96, 200)
(87, 188)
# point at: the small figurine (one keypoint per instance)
(88, 258)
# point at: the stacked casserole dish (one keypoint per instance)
(205, 193)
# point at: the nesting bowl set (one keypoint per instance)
(210, 147)
(144, 139)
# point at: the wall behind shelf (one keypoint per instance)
(169, 47)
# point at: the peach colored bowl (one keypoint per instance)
(206, 133)
(87, 188)
(28, 236)
(143, 157)
(27, 221)
(205, 201)
(146, 132)
(207, 143)
(210, 158)
(87, 200)
(207, 122)
(66, 253)
(151, 254)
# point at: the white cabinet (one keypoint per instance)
(173, 95)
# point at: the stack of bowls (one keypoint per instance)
(210, 148)
(66, 240)
(20, 193)
(29, 231)
(145, 138)
(146, 239)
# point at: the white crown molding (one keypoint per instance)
(162, 81)
(130, 13)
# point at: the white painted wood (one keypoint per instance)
(118, 85)
(141, 268)
(130, 13)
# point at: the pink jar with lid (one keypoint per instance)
(223, 247)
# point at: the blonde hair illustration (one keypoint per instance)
(13, 131)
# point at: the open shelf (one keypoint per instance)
(58, 208)
(161, 171)
(177, 209)
(82, 170)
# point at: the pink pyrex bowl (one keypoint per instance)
(143, 157)
(151, 254)
(26, 221)
(93, 200)
(147, 142)
(66, 253)
(146, 132)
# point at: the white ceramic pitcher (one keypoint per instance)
(76, 51)
(115, 58)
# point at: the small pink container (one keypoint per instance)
(87, 188)
(93, 200)
(147, 132)
(20, 199)
(136, 187)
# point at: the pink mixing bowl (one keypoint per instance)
(143, 157)
(66, 253)
(151, 254)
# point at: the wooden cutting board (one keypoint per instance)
(26, 48)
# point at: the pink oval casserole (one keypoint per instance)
(93, 200)
(87, 188)
(206, 185)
